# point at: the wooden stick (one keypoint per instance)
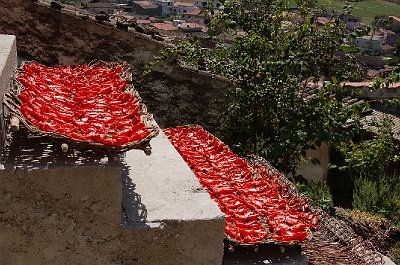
(64, 147)
(14, 124)
(147, 150)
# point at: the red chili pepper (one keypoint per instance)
(298, 227)
(139, 135)
(300, 236)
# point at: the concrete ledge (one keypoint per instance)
(166, 197)
(66, 215)
(66, 208)
(58, 208)
(8, 61)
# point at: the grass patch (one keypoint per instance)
(367, 9)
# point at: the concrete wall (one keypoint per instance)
(313, 171)
(60, 208)
(73, 208)
(166, 196)
(8, 62)
(174, 95)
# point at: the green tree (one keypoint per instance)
(370, 164)
(273, 61)
(397, 45)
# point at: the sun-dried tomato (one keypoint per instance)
(243, 196)
(86, 103)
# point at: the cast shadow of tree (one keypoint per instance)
(24, 151)
(134, 212)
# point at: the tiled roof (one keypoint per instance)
(145, 4)
(143, 21)
(164, 26)
(197, 11)
(176, 4)
(387, 47)
(100, 5)
(380, 116)
(371, 114)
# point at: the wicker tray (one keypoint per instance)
(283, 180)
(252, 159)
(13, 103)
(334, 242)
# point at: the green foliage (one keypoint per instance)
(370, 158)
(397, 45)
(380, 195)
(318, 191)
(368, 164)
(349, 49)
(273, 58)
(367, 10)
(393, 77)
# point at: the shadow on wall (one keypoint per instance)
(25, 151)
(134, 212)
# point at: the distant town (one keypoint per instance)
(376, 50)
(170, 17)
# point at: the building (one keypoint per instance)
(369, 44)
(166, 6)
(203, 3)
(387, 49)
(147, 8)
(180, 8)
(352, 22)
(192, 27)
(98, 7)
(196, 13)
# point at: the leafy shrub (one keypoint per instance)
(380, 195)
(370, 164)
(317, 191)
(349, 49)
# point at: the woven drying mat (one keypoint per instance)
(13, 103)
(291, 188)
(282, 179)
(336, 243)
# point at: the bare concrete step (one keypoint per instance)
(162, 196)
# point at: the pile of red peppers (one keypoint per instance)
(87, 103)
(257, 206)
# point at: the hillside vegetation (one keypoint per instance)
(365, 9)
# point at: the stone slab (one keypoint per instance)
(387, 260)
(164, 197)
(65, 215)
(168, 187)
(8, 61)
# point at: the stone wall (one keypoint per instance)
(58, 208)
(175, 96)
